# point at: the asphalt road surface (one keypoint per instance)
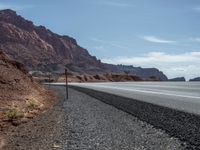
(184, 96)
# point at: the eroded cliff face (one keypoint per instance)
(40, 49)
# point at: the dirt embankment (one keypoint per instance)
(20, 97)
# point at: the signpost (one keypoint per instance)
(49, 75)
(66, 76)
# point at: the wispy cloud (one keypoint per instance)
(14, 6)
(111, 43)
(197, 39)
(155, 39)
(97, 40)
(184, 64)
(157, 57)
(197, 8)
(115, 4)
(99, 48)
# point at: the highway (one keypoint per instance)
(184, 96)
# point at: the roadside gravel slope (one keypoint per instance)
(95, 125)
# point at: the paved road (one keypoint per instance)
(183, 96)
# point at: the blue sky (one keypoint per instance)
(157, 33)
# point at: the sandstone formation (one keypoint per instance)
(39, 49)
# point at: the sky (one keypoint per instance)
(159, 33)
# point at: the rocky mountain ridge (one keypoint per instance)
(180, 79)
(144, 73)
(195, 79)
(40, 49)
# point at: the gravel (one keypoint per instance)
(93, 124)
(85, 123)
(176, 123)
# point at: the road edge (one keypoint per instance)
(179, 124)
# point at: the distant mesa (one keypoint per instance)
(178, 79)
(39, 49)
(195, 79)
(144, 73)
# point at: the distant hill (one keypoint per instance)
(145, 73)
(40, 49)
(178, 79)
(195, 79)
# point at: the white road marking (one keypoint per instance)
(143, 91)
(88, 85)
(186, 87)
(163, 86)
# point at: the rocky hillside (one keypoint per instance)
(195, 79)
(181, 79)
(40, 49)
(20, 96)
(144, 73)
(99, 78)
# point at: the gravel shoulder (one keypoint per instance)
(93, 124)
(85, 123)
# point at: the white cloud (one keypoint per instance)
(115, 4)
(99, 48)
(13, 6)
(173, 65)
(155, 39)
(97, 40)
(197, 8)
(195, 39)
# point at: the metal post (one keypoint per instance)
(49, 79)
(66, 76)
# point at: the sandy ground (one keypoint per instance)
(42, 132)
